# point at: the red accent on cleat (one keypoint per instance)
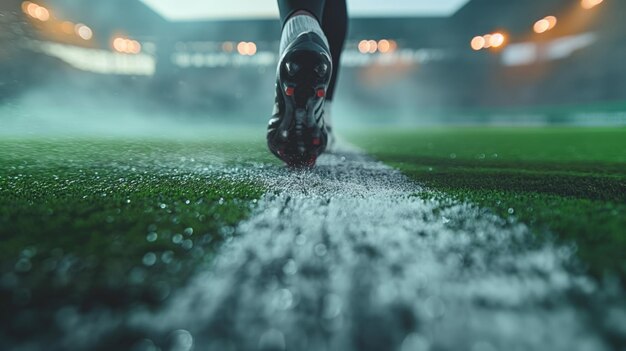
(316, 141)
(321, 93)
(289, 91)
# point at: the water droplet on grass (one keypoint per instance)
(152, 237)
(284, 299)
(332, 306)
(181, 340)
(149, 259)
(187, 244)
(29, 252)
(511, 211)
(167, 257)
(320, 250)
(290, 268)
(177, 239)
(23, 265)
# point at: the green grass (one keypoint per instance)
(118, 223)
(570, 182)
(111, 222)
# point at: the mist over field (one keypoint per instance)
(473, 197)
(190, 71)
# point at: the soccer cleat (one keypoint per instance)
(296, 132)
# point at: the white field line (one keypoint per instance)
(345, 258)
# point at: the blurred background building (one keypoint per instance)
(532, 61)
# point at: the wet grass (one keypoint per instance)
(117, 224)
(112, 223)
(567, 182)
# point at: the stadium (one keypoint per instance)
(475, 198)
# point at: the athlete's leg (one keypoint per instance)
(290, 7)
(335, 26)
(333, 16)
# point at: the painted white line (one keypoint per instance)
(345, 257)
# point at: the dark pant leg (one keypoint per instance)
(289, 7)
(335, 26)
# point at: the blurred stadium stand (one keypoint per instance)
(197, 68)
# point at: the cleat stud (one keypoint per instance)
(321, 69)
(321, 93)
(292, 68)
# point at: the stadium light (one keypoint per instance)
(252, 49)
(364, 46)
(589, 4)
(552, 20)
(35, 11)
(134, 47)
(242, 48)
(373, 46)
(126, 46)
(393, 45)
(384, 46)
(83, 31)
(42, 14)
(477, 43)
(493, 40)
(545, 24)
(497, 40)
(247, 48)
(487, 39)
(29, 8)
(541, 26)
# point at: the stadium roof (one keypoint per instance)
(194, 10)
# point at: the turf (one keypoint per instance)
(566, 182)
(112, 223)
(115, 223)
